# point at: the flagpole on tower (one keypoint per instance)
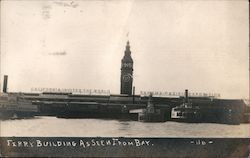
(127, 36)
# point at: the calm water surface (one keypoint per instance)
(52, 126)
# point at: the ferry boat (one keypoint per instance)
(186, 111)
(151, 113)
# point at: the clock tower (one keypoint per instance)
(127, 72)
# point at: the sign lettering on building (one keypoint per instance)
(72, 90)
(179, 94)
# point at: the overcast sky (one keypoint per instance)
(197, 45)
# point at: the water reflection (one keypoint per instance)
(124, 126)
(51, 126)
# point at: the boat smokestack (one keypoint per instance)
(186, 96)
(150, 100)
(5, 83)
(133, 94)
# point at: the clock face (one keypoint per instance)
(126, 78)
(127, 65)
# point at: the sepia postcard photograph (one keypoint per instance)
(127, 78)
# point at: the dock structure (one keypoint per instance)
(154, 108)
(120, 106)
